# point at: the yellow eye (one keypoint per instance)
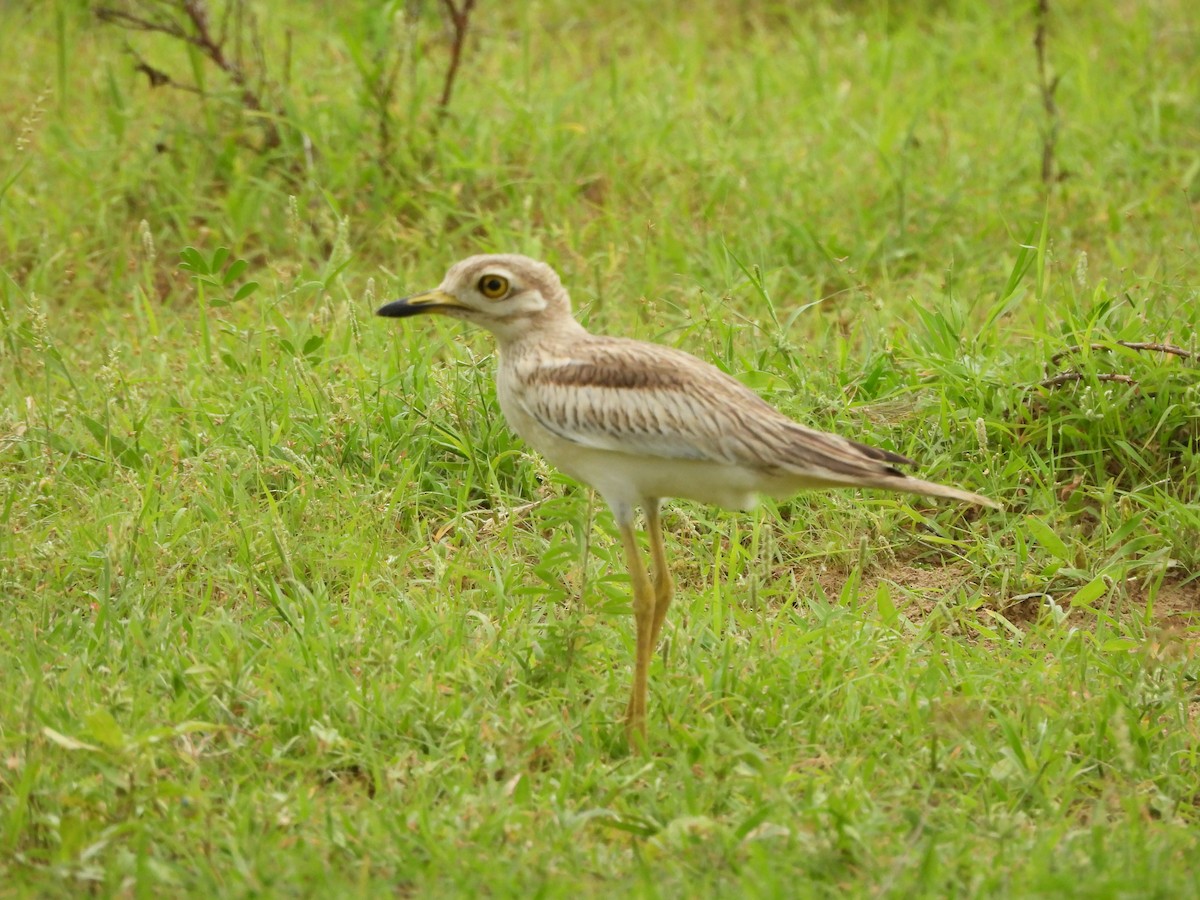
(493, 286)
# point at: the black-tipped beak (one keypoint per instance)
(430, 301)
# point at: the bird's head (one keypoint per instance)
(507, 294)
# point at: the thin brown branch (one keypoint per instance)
(1070, 377)
(157, 77)
(191, 24)
(214, 49)
(114, 16)
(1147, 346)
(460, 18)
(1048, 86)
(384, 89)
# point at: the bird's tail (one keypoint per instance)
(819, 459)
(911, 485)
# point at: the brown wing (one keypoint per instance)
(646, 399)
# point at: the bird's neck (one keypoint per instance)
(538, 331)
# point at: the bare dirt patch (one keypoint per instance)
(917, 590)
(1176, 603)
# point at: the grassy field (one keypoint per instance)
(286, 609)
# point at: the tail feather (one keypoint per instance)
(910, 485)
(814, 458)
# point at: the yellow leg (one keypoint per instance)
(664, 588)
(643, 614)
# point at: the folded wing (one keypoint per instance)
(646, 399)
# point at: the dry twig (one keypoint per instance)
(1148, 346)
(188, 21)
(1048, 87)
(1072, 376)
(460, 18)
(1069, 377)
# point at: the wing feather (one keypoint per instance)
(646, 399)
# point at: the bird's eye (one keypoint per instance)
(493, 286)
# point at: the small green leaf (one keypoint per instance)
(886, 607)
(245, 291)
(1050, 541)
(57, 441)
(1118, 645)
(119, 448)
(234, 272)
(312, 345)
(218, 260)
(104, 728)
(193, 261)
(66, 742)
(1025, 258)
(1091, 591)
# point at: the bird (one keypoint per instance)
(642, 423)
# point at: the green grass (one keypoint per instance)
(287, 609)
